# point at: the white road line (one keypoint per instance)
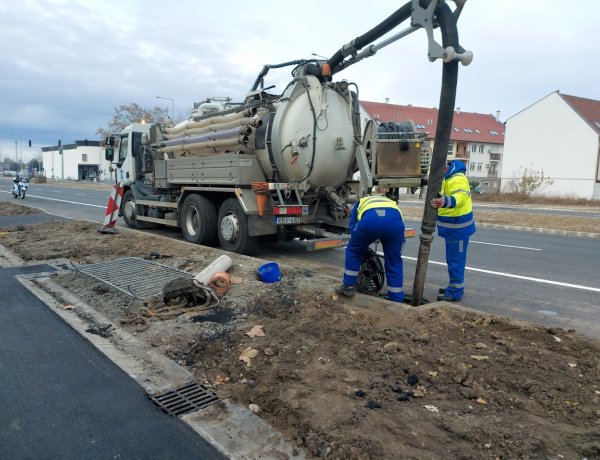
(62, 201)
(510, 275)
(506, 245)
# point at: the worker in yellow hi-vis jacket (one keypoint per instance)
(375, 218)
(456, 224)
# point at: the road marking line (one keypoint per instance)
(506, 245)
(63, 201)
(510, 275)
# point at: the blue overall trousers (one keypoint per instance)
(385, 225)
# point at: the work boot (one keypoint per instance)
(345, 290)
(442, 290)
(447, 298)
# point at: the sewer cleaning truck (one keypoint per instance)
(276, 164)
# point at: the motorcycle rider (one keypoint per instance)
(19, 187)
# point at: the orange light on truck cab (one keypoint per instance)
(326, 70)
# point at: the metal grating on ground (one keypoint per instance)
(184, 399)
(137, 277)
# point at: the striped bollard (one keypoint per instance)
(112, 211)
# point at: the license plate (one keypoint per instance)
(282, 220)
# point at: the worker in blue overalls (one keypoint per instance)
(455, 223)
(374, 218)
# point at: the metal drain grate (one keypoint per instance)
(137, 277)
(184, 399)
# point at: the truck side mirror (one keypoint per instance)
(109, 154)
(109, 141)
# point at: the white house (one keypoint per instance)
(82, 160)
(560, 136)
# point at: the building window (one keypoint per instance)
(473, 148)
(480, 148)
(84, 157)
(450, 149)
(479, 166)
(472, 167)
(456, 129)
(486, 184)
(420, 126)
(487, 166)
(477, 131)
(430, 122)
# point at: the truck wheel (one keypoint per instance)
(199, 220)
(128, 209)
(233, 228)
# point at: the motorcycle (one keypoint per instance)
(20, 186)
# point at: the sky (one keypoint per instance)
(65, 65)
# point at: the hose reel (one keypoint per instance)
(371, 276)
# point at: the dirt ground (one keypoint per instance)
(346, 381)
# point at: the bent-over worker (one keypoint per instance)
(375, 218)
(455, 223)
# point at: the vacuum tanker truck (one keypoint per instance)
(274, 165)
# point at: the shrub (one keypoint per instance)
(527, 182)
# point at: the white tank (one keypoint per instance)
(326, 161)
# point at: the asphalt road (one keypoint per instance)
(544, 278)
(62, 398)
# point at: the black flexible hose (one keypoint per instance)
(447, 23)
(401, 15)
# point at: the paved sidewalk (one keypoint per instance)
(61, 398)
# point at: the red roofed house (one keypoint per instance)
(559, 135)
(476, 139)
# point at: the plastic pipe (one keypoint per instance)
(220, 264)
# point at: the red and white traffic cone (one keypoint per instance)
(112, 210)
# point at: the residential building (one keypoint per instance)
(82, 160)
(476, 139)
(558, 135)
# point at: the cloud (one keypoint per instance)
(67, 64)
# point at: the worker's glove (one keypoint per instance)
(439, 202)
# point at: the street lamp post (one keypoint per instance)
(172, 105)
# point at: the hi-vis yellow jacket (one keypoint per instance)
(455, 217)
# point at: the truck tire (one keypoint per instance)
(199, 220)
(233, 228)
(130, 211)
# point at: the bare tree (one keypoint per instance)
(527, 181)
(132, 113)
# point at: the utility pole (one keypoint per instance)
(62, 156)
(172, 106)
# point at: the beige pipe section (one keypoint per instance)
(248, 113)
(233, 142)
(254, 121)
(209, 151)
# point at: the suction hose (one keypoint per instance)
(336, 61)
(449, 31)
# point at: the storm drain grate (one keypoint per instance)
(184, 399)
(137, 277)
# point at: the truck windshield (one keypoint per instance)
(123, 147)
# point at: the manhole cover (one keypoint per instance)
(136, 277)
(184, 399)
